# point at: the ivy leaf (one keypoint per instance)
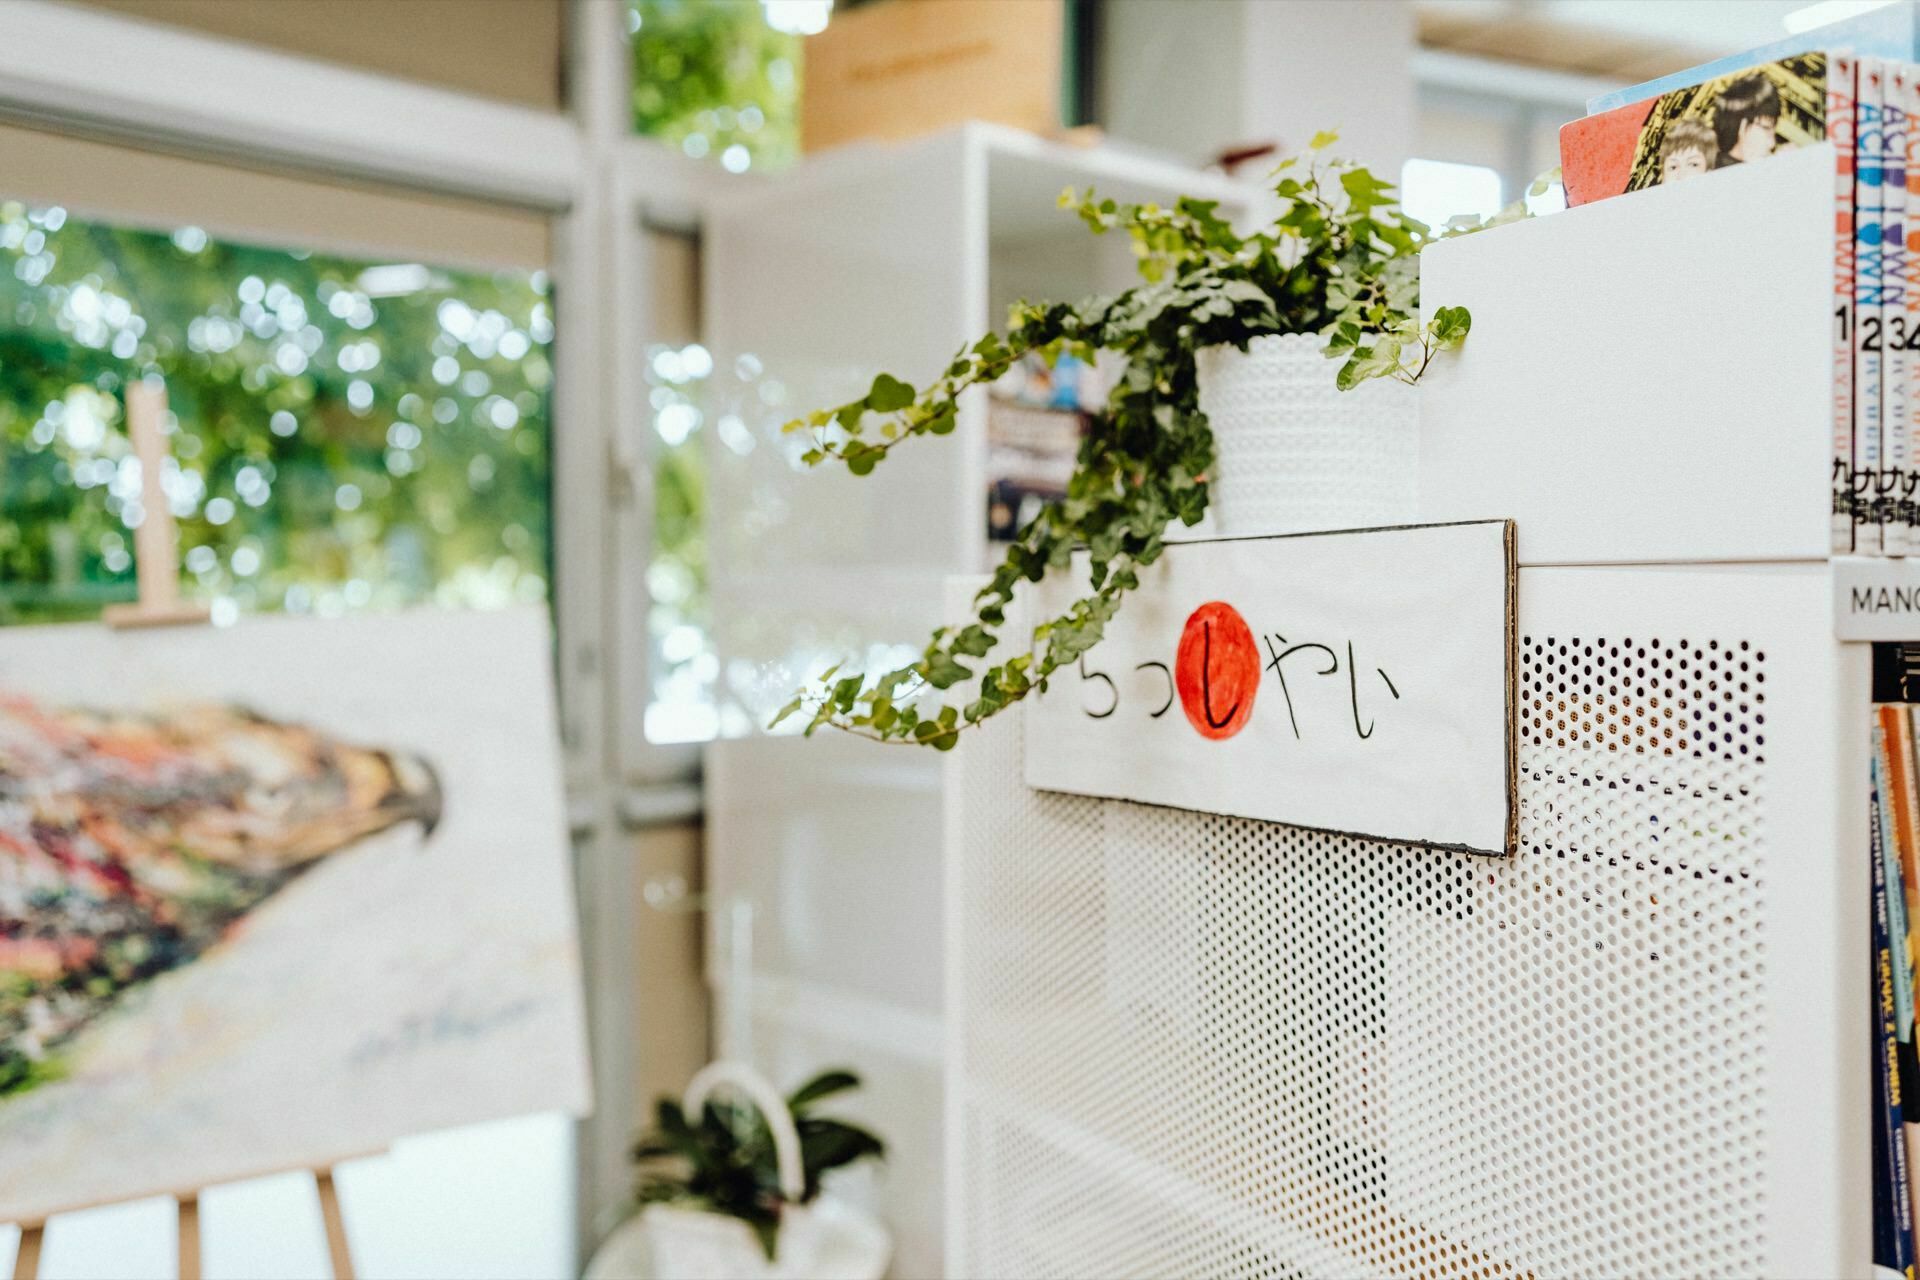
(1449, 327)
(973, 642)
(943, 672)
(845, 691)
(889, 394)
(1364, 191)
(1377, 361)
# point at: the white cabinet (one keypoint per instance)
(866, 259)
(1191, 1045)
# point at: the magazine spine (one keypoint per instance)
(1868, 288)
(1899, 891)
(1893, 1223)
(1895, 406)
(1896, 722)
(1841, 78)
(1906, 490)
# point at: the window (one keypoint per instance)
(721, 79)
(345, 433)
(1434, 191)
(682, 662)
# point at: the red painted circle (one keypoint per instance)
(1217, 670)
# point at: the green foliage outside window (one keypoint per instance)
(714, 79)
(343, 433)
(679, 615)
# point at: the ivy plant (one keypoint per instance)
(1339, 260)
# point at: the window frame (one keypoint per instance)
(176, 91)
(173, 91)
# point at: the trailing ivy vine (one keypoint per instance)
(1339, 260)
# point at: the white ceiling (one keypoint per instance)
(1624, 39)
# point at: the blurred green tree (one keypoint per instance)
(715, 79)
(345, 433)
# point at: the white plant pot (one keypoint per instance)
(1296, 453)
(827, 1240)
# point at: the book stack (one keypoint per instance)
(1746, 109)
(1037, 414)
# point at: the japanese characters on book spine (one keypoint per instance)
(1841, 73)
(1868, 297)
(1896, 403)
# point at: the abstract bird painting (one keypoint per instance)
(275, 895)
(131, 842)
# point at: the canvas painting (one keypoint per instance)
(274, 895)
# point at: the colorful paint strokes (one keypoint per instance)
(130, 843)
(274, 895)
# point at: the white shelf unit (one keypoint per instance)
(1185, 1044)
(882, 257)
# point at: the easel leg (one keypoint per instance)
(26, 1263)
(189, 1237)
(336, 1225)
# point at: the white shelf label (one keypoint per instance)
(1360, 682)
(1876, 598)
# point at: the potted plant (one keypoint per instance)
(734, 1193)
(1338, 262)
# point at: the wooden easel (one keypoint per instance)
(26, 1262)
(156, 544)
(156, 541)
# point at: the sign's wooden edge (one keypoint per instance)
(1511, 553)
(1511, 542)
(1333, 533)
(1410, 842)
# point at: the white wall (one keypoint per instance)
(1193, 77)
(1345, 65)
(1161, 82)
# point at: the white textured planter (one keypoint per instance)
(1298, 454)
(826, 1240)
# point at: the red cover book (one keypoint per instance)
(1689, 132)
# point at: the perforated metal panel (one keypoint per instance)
(1190, 1045)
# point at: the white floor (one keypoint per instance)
(492, 1200)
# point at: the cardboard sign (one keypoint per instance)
(904, 70)
(1361, 682)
